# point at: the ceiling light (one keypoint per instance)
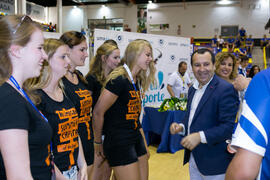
(224, 2)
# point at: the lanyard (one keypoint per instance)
(13, 80)
(130, 76)
(182, 77)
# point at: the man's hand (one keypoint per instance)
(191, 141)
(175, 128)
(240, 83)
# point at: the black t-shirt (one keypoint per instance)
(17, 113)
(95, 87)
(121, 122)
(82, 99)
(63, 119)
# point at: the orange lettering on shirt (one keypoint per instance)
(134, 107)
(67, 132)
(47, 160)
(86, 109)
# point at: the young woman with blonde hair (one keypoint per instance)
(106, 59)
(61, 113)
(24, 133)
(124, 145)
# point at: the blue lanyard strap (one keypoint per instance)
(130, 76)
(13, 80)
(16, 84)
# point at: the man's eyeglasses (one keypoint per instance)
(24, 18)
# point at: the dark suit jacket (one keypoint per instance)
(215, 116)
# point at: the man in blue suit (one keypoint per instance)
(209, 121)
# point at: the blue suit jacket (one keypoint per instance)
(215, 116)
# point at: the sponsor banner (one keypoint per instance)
(35, 11)
(169, 51)
(7, 6)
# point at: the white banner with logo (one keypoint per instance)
(35, 11)
(7, 6)
(169, 50)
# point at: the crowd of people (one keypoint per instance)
(215, 105)
(240, 45)
(58, 124)
(50, 128)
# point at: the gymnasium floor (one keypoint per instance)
(167, 166)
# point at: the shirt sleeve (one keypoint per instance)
(171, 80)
(13, 113)
(91, 82)
(251, 132)
(188, 79)
(116, 85)
(182, 133)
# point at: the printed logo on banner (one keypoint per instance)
(157, 96)
(184, 45)
(183, 59)
(161, 42)
(172, 58)
(101, 38)
(173, 44)
(119, 39)
(130, 40)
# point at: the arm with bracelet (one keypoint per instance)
(105, 101)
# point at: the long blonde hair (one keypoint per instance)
(133, 51)
(96, 64)
(50, 47)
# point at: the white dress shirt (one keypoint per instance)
(194, 104)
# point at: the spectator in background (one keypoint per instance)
(242, 51)
(237, 42)
(179, 82)
(126, 28)
(249, 44)
(83, 31)
(264, 41)
(267, 52)
(242, 33)
(242, 67)
(214, 42)
(220, 42)
(254, 70)
(230, 44)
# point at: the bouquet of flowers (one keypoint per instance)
(173, 104)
